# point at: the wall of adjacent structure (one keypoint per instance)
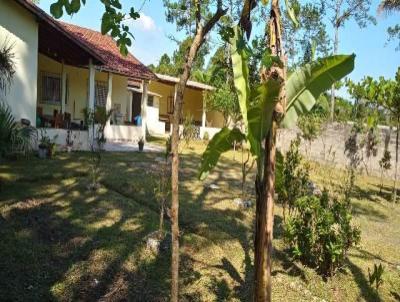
(193, 103)
(329, 147)
(19, 28)
(77, 88)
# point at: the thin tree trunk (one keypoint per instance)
(201, 32)
(175, 165)
(397, 160)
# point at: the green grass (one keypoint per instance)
(60, 242)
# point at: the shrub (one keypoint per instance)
(14, 137)
(320, 232)
(293, 181)
(189, 129)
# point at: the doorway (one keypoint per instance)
(136, 104)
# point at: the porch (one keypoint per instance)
(72, 82)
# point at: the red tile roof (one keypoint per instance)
(107, 49)
(101, 47)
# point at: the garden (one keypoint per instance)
(60, 241)
(295, 198)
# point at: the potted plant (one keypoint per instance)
(69, 142)
(51, 150)
(43, 145)
(141, 144)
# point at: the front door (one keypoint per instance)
(136, 104)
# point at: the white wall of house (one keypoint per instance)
(123, 133)
(20, 28)
(154, 125)
(79, 138)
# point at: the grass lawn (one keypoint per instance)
(60, 242)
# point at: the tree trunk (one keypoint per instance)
(265, 187)
(201, 32)
(335, 50)
(397, 160)
(175, 164)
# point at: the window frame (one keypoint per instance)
(44, 93)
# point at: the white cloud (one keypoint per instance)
(145, 23)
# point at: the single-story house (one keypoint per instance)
(63, 69)
(160, 105)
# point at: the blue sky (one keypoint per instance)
(151, 33)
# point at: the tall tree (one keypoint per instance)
(173, 65)
(342, 11)
(389, 7)
(308, 39)
(189, 16)
(275, 102)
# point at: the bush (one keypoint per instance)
(320, 232)
(15, 138)
(189, 129)
(293, 181)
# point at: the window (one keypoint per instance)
(150, 101)
(51, 88)
(100, 94)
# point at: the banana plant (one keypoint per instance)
(303, 87)
(263, 110)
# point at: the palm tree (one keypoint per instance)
(389, 6)
(7, 65)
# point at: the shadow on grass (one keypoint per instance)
(367, 293)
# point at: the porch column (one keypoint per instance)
(173, 109)
(144, 107)
(204, 115)
(91, 98)
(130, 100)
(91, 85)
(63, 87)
(109, 95)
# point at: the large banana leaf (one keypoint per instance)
(220, 143)
(305, 85)
(260, 115)
(240, 65)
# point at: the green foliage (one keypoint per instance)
(173, 65)
(294, 181)
(7, 65)
(310, 39)
(306, 84)
(310, 126)
(384, 162)
(189, 129)
(97, 120)
(303, 87)
(376, 276)
(112, 21)
(320, 232)
(220, 143)
(45, 142)
(14, 137)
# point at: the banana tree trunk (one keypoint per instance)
(265, 189)
(265, 186)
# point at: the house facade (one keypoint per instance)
(64, 71)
